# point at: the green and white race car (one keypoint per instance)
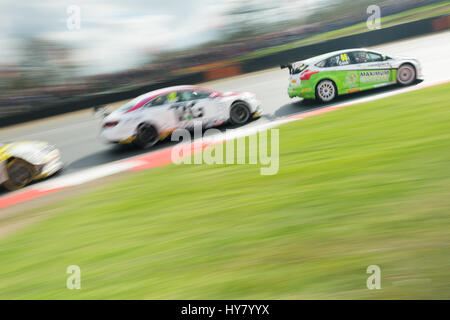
(336, 73)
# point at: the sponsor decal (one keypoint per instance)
(374, 76)
(340, 60)
(351, 79)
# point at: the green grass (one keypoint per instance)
(364, 185)
(424, 12)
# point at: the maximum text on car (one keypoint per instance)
(336, 73)
(151, 117)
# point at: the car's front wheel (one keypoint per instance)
(326, 91)
(146, 136)
(20, 173)
(406, 74)
(239, 113)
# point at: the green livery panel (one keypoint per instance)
(346, 81)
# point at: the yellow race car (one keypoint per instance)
(27, 161)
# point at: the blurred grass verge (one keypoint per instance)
(364, 185)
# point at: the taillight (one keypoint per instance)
(307, 74)
(110, 124)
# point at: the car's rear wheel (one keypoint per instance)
(239, 113)
(326, 91)
(406, 74)
(146, 136)
(20, 173)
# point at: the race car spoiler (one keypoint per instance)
(288, 65)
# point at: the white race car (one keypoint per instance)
(151, 117)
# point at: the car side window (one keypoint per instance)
(374, 57)
(189, 95)
(321, 64)
(173, 97)
(198, 94)
(186, 95)
(364, 57)
(359, 57)
(339, 60)
(158, 101)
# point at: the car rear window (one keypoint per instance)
(298, 69)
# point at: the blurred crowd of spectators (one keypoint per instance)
(42, 83)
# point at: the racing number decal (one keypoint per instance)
(344, 57)
(187, 112)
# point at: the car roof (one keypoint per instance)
(141, 100)
(329, 54)
(161, 91)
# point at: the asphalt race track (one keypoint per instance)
(76, 134)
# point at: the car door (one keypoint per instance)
(343, 71)
(186, 110)
(209, 107)
(196, 106)
(374, 70)
(158, 112)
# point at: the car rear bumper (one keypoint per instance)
(118, 134)
(304, 91)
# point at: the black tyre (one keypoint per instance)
(406, 74)
(146, 136)
(20, 173)
(326, 91)
(239, 113)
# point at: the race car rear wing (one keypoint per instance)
(295, 69)
(289, 66)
